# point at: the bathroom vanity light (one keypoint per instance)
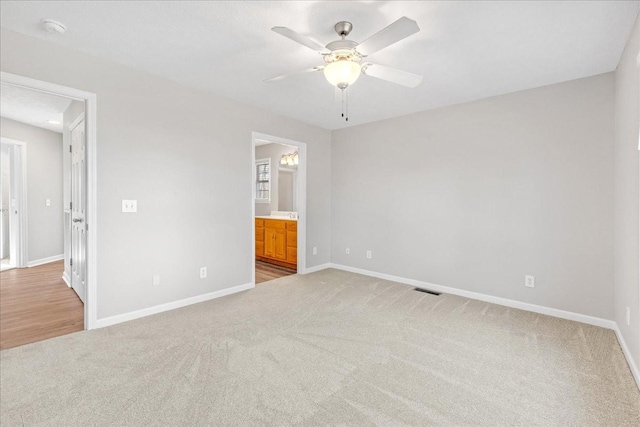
(289, 159)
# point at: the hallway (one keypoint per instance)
(36, 304)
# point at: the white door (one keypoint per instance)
(78, 211)
(4, 201)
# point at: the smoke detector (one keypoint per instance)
(54, 26)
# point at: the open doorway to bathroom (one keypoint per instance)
(279, 178)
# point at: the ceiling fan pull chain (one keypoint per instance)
(342, 97)
(347, 114)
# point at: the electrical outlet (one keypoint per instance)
(203, 272)
(47, 202)
(155, 280)
(315, 250)
(628, 316)
(368, 254)
(129, 206)
(530, 281)
(347, 251)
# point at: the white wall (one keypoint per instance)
(169, 147)
(626, 195)
(44, 181)
(274, 152)
(478, 195)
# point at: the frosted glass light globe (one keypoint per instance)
(342, 73)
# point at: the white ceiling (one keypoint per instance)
(465, 50)
(32, 107)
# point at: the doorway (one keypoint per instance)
(12, 184)
(77, 259)
(278, 222)
(36, 127)
(5, 253)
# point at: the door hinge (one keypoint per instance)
(71, 261)
(71, 149)
(71, 205)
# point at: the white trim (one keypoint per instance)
(19, 174)
(301, 198)
(90, 105)
(627, 354)
(577, 317)
(317, 268)
(45, 260)
(66, 279)
(609, 324)
(108, 321)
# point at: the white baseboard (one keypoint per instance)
(66, 279)
(627, 354)
(317, 268)
(125, 317)
(45, 260)
(596, 321)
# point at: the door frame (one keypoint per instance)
(18, 172)
(90, 110)
(301, 198)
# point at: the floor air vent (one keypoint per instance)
(427, 291)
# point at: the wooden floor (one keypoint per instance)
(266, 272)
(36, 304)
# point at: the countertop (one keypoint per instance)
(284, 218)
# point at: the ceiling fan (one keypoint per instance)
(344, 59)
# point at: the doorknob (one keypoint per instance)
(77, 220)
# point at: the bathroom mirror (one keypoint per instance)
(287, 184)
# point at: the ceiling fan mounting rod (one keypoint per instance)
(343, 28)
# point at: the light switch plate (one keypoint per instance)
(129, 206)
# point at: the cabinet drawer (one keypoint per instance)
(259, 222)
(292, 255)
(274, 223)
(259, 248)
(292, 225)
(259, 234)
(292, 239)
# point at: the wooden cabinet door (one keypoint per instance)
(259, 238)
(292, 255)
(269, 242)
(280, 244)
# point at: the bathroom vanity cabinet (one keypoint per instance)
(277, 241)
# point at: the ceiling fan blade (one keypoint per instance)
(389, 35)
(392, 75)
(284, 76)
(299, 38)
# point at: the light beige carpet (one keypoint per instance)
(329, 348)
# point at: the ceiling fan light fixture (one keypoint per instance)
(342, 73)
